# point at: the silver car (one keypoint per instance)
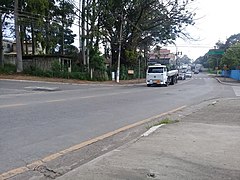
(189, 74)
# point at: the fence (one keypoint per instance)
(234, 74)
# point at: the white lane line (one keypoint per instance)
(11, 105)
(151, 130)
(236, 90)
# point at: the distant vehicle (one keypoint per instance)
(159, 75)
(181, 75)
(196, 71)
(189, 74)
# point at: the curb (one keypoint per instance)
(226, 83)
(76, 84)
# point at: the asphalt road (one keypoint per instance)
(39, 119)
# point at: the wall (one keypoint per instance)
(234, 74)
(41, 62)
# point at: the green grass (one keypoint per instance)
(8, 69)
(163, 121)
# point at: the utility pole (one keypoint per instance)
(18, 43)
(119, 49)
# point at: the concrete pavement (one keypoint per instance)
(228, 81)
(204, 144)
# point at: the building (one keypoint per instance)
(161, 56)
(7, 46)
(27, 48)
(38, 60)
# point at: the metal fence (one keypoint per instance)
(234, 74)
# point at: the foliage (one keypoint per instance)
(56, 67)
(144, 23)
(233, 39)
(97, 62)
(214, 60)
(8, 69)
(57, 73)
(47, 22)
(184, 60)
(231, 58)
(5, 14)
(202, 60)
(131, 57)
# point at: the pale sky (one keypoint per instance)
(218, 20)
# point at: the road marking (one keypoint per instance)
(13, 172)
(11, 105)
(35, 164)
(151, 130)
(67, 99)
(236, 90)
(203, 78)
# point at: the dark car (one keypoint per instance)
(196, 71)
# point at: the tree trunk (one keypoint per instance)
(1, 42)
(63, 23)
(26, 40)
(83, 33)
(33, 38)
(87, 39)
(92, 26)
(21, 39)
(97, 38)
(18, 42)
(47, 37)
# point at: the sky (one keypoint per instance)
(216, 20)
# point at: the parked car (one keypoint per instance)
(181, 75)
(196, 71)
(189, 74)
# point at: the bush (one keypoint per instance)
(8, 69)
(56, 67)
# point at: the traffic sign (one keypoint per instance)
(215, 52)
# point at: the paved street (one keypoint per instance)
(202, 145)
(41, 119)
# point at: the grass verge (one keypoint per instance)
(163, 121)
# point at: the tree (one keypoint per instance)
(17, 34)
(231, 58)
(5, 10)
(33, 21)
(229, 42)
(202, 60)
(47, 23)
(184, 60)
(144, 23)
(65, 14)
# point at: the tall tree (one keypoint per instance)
(231, 58)
(64, 15)
(18, 42)
(145, 21)
(5, 10)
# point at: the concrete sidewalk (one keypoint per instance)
(204, 144)
(227, 81)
